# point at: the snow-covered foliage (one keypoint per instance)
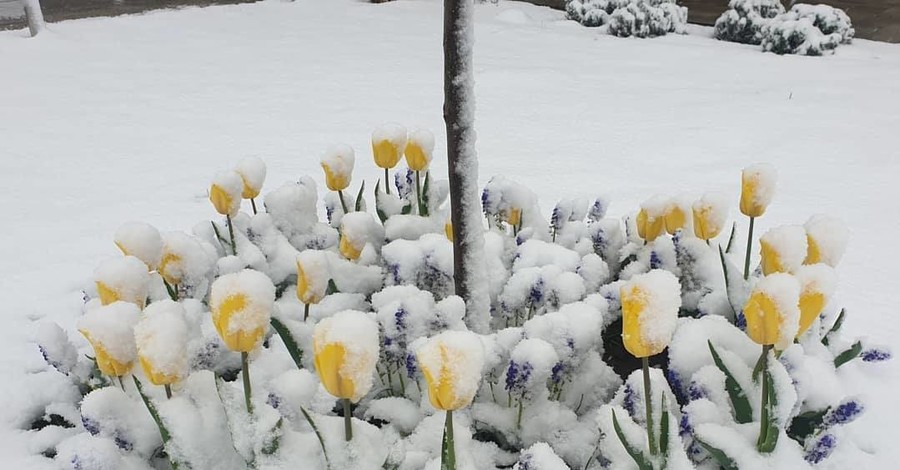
(808, 30)
(627, 18)
(744, 20)
(256, 337)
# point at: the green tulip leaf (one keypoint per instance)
(359, 197)
(740, 404)
(838, 323)
(848, 355)
(639, 457)
(289, 341)
(805, 424)
(332, 288)
(664, 434)
(768, 443)
(725, 462)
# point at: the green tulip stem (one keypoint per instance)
(648, 406)
(121, 384)
(764, 400)
(231, 234)
(348, 429)
(245, 366)
(419, 193)
(387, 182)
(253, 204)
(343, 204)
(168, 391)
(305, 312)
(448, 450)
(749, 246)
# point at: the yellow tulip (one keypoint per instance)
(122, 279)
(252, 171)
(451, 363)
(817, 283)
(514, 217)
(650, 304)
(335, 181)
(345, 351)
(388, 144)
(161, 339)
(419, 150)
(338, 166)
(170, 268)
(448, 230)
(105, 362)
(109, 329)
(225, 193)
(349, 249)
(757, 189)
(241, 305)
(826, 239)
(709, 214)
(312, 276)
(649, 227)
(676, 218)
(773, 312)
(782, 249)
(140, 240)
(304, 292)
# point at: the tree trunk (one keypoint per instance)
(34, 15)
(462, 163)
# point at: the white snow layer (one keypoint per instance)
(140, 240)
(161, 337)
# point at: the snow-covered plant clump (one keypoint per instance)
(267, 338)
(627, 18)
(744, 20)
(808, 30)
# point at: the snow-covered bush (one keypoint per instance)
(808, 30)
(270, 339)
(744, 20)
(626, 18)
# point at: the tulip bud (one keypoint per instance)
(817, 284)
(826, 239)
(783, 249)
(757, 188)
(448, 229)
(161, 338)
(677, 215)
(241, 305)
(313, 275)
(451, 363)
(110, 330)
(225, 193)
(345, 348)
(141, 241)
(419, 149)
(358, 229)
(650, 304)
(773, 312)
(124, 279)
(710, 213)
(252, 171)
(338, 165)
(651, 220)
(388, 145)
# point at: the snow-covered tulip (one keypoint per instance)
(337, 162)
(345, 352)
(451, 363)
(710, 213)
(651, 219)
(817, 284)
(241, 304)
(773, 312)
(448, 230)
(757, 188)
(313, 275)
(388, 145)
(122, 279)
(419, 149)
(252, 171)
(650, 304)
(110, 330)
(140, 240)
(676, 215)
(358, 229)
(782, 249)
(826, 239)
(161, 338)
(183, 260)
(225, 193)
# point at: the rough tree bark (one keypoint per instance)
(34, 15)
(462, 162)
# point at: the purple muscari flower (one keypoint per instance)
(629, 402)
(388, 341)
(517, 376)
(90, 425)
(76, 463)
(273, 400)
(526, 462)
(740, 321)
(696, 391)
(84, 297)
(655, 262)
(557, 220)
(599, 241)
(876, 355)
(597, 210)
(684, 426)
(404, 182)
(485, 199)
(123, 444)
(411, 365)
(394, 270)
(676, 384)
(536, 294)
(400, 318)
(822, 447)
(557, 372)
(329, 211)
(844, 413)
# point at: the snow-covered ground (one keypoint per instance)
(114, 119)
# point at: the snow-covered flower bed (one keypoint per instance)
(627, 18)
(268, 338)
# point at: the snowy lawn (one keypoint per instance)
(108, 120)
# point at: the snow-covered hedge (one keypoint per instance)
(626, 18)
(744, 20)
(274, 339)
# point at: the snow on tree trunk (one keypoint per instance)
(462, 162)
(34, 15)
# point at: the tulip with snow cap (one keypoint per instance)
(124, 279)
(241, 304)
(677, 215)
(252, 171)
(345, 352)
(337, 162)
(110, 330)
(140, 240)
(388, 145)
(651, 219)
(817, 284)
(448, 230)
(757, 189)
(782, 249)
(650, 304)
(709, 214)
(826, 239)
(419, 151)
(161, 338)
(313, 274)
(451, 363)
(358, 229)
(183, 259)
(773, 320)
(225, 195)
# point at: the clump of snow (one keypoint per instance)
(108, 412)
(401, 412)
(225, 192)
(530, 365)
(84, 451)
(783, 249)
(112, 328)
(709, 215)
(186, 260)
(56, 348)
(161, 338)
(744, 20)
(455, 358)
(783, 291)
(252, 171)
(657, 297)
(124, 279)
(426, 263)
(826, 239)
(357, 333)
(140, 240)
(242, 303)
(540, 456)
